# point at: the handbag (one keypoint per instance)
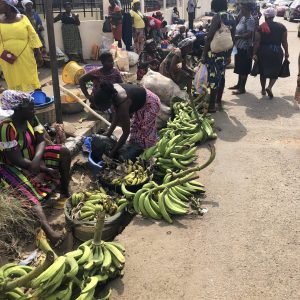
(222, 40)
(106, 26)
(255, 69)
(8, 56)
(285, 69)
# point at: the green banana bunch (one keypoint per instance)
(50, 280)
(135, 174)
(172, 197)
(12, 270)
(94, 202)
(76, 198)
(16, 293)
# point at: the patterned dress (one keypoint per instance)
(114, 76)
(28, 189)
(143, 124)
(71, 35)
(216, 62)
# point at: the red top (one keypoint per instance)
(154, 23)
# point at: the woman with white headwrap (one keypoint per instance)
(182, 75)
(35, 21)
(270, 38)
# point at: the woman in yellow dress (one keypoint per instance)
(18, 42)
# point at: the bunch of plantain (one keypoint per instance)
(73, 276)
(176, 149)
(76, 198)
(172, 197)
(129, 173)
(10, 272)
(93, 202)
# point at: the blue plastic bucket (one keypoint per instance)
(95, 167)
(39, 97)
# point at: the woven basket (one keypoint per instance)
(84, 231)
(46, 114)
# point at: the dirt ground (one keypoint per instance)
(248, 244)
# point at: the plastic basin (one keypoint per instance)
(39, 97)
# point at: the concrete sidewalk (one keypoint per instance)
(248, 244)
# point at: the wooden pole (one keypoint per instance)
(53, 60)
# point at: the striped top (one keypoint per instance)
(12, 139)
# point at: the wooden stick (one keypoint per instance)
(66, 91)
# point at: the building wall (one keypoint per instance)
(91, 27)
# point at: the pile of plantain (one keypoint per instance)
(176, 150)
(128, 172)
(86, 204)
(73, 276)
(174, 196)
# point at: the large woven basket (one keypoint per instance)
(46, 114)
(84, 231)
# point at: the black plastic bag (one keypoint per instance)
(285, 69)
(129, 151)
(255, 69)
(106, 26)
(101, 144)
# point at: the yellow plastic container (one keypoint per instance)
(72, 72)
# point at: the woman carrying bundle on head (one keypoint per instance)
(135, 111)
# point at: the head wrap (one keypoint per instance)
(117, 9)
(149, 42)
(134, 2)
(185, 42)
(24, 2)
(12, 4)
(13, 99)
(270, 12)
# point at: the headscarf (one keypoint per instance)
(270, 13)
(134, 2)
(11, 100)
(185, 42)
(24, 2)
(12, 4)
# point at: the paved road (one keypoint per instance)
(248, 244)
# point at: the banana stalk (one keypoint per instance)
(199, 121)
(26, 279)
(42, 242)
(99, 228)
(178, 181)
(195, 169)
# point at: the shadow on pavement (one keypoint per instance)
(264, 108)
(229, 128)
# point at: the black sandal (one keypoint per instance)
(270, 94)
(235, 87)
(239, 92)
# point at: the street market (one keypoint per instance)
(169, 143)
